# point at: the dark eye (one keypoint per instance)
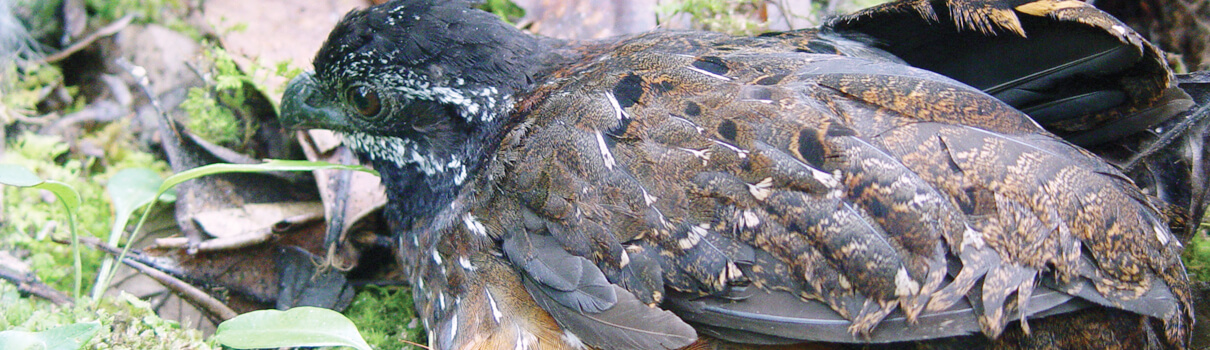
(365, 100)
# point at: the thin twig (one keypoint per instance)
(186, 291)
(27, 282)
(412, 343)
(140, 76)
(111, 29)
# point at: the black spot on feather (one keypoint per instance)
(771, 80)
(816, 46)
(629, 90)
(712, 64)
(692, 109)
(663, 86)
(728, 130)
(809, 147)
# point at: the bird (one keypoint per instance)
(883, 179)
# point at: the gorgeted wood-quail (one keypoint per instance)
(872, 181)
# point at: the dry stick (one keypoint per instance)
(186, 291)
(140, 76)
(29, 283)
(111, 29)
(412, 343)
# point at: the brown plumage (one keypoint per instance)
(793, 187)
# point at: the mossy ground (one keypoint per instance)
(386, 318)
(1197, 256)
(127, 322)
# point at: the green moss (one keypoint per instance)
(208, 119)
(21, 94)
(1197, 256)
(145, 11)
(215, 112)
(728, 16)
(506, 9)
(126, 321)
(220, 113)
(31, 219)
(385, 316)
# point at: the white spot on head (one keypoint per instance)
(474, 104)
(572, 340)
(904, 284)
(461, 175)
(762, 189)
(605, 154)
(402, 151)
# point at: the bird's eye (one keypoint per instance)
(365, 100)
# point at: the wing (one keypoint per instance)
(775, 196)
(1076, 70)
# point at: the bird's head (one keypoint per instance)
(419, 88)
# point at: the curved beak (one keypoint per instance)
(305, 106)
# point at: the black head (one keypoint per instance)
(419, 88)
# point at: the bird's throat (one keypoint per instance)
(418, 183)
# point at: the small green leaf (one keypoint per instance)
(300, 326)
(68, 337)
(65, 192)
(176, 179)
(133, 188)
(271, 165)
(16, 175)
(130, 189)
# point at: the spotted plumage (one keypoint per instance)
(655, 190)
